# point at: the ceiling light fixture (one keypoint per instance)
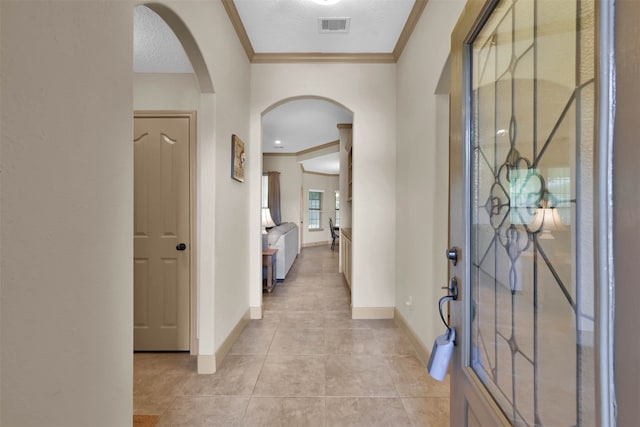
(278, 142)
(326, 2)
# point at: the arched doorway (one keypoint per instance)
(305, 143)
(180, 91)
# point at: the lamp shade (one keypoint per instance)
(267, 221)
(546, 220)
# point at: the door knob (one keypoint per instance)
(452, 254)
(181, 247)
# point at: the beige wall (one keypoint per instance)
(223, 204)
(66, 198)
(67, 213)
(230, 68)
(422, 179)
(165, 91)
(328, 185)
(369, 90)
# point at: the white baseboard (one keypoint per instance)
(372, 312)
(222, 351)
(311, 245)
(424, 353)
(206, 364)
(255, 312)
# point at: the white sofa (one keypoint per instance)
(284, 238)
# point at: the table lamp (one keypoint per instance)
(267, 222)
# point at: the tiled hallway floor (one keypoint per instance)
(307, 363)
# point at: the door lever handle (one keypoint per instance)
(452, 289)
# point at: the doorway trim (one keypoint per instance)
(191, 115)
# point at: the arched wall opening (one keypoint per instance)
(188, 42)
(300, 97)
(306, 124)
(369, 91)
(198, 96)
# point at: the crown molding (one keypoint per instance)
(335, 143)
(307, 151)
(280, 154)
(311, 57)
(234, 17)
(409, 26)
(333, 175)
(305, 58)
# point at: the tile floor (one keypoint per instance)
(307, 363)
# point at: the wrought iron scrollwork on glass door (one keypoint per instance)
(532, 133)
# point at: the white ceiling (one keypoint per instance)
(302, 124)
(287, 26)
(291, 26)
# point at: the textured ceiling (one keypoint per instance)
(156, 48)
(291, 26)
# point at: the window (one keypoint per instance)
(315, 209)
(337, 221)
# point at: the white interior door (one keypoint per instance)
(162, 233)
(523, 126)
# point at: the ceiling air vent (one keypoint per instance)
(334, 25)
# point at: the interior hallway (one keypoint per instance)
(307, 363)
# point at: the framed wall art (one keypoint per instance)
(238, 158)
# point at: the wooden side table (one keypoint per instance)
(269, 261)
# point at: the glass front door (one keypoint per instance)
(532, 184)
(528, 138)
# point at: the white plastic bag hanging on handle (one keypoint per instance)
(441, 355)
